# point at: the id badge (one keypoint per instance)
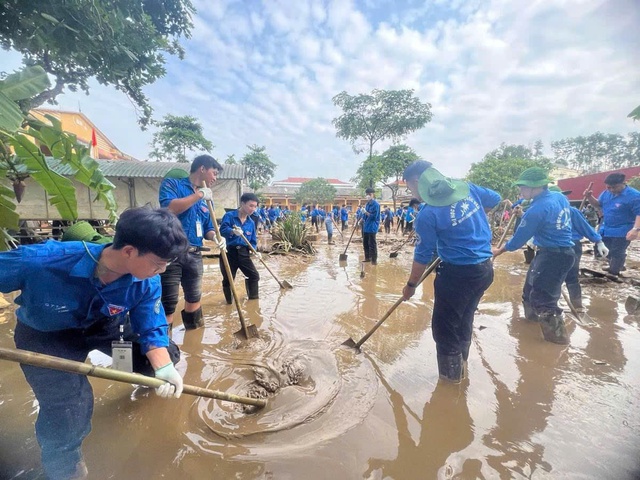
(122, 355)
(198, 229)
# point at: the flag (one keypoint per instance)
(94, 143)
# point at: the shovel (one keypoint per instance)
(394, 254)
(632, 304)
(361, 269)
(350, 343)
(284, 284)
(583, 318)
(246, 331)
(343, 256)
(506, 230)
(337, 228)
(47, 361)
(584, 199)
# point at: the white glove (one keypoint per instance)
(173, 387)
(222, 243)
(207, 194)
(602, 249)
(237, 230)
(259, 255)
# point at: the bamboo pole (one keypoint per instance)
(62, 364)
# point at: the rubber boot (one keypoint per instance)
(553, 329)
(465, 356)
(227, 294)
(252, 289)
(192, 320)
(450, 367)
(529, 314)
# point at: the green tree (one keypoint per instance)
(21, 158)
(318, 191)
(176, 136)
(381, 115)
(231, 160)
(393, 162)
(598, 151)
(369, 172)
(635, 114)
(120, 42)
(260, 168)
(499, 169)
(634, 182)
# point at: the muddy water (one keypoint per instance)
(530, 409)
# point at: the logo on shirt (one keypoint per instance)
(563, 222)
(156, 307)
(463, 210)
(115, 309)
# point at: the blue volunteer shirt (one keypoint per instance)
(547, 220)
(580, 228)
(344, 214)
(619, 211)
(198, 213)
(59, 291)
(372, 216)
(232, 219)
(458, 233)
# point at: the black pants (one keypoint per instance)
(572, 280)
(344, 225)
(314, 223)
(546, 274)
(239, 259)
(370, 246)
(186, 271)
(617, 252)
(458, 290)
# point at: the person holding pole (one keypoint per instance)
(452, 225)
(186, 197)
(77, 297)
(371, 215)
(234, 224)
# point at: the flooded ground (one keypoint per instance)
(529, 409)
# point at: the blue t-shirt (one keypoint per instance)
(547, 220)
(59, 291)
(372, 216)
(232, 219)
(580, 227)
(458, 233)
(198, 213)
(344, 214)
(619, 212)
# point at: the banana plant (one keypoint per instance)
(21, 137)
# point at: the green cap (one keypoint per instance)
(533, 177)
(440, 191)
(555, 188)
(84, 232)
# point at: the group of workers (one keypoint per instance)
(80, 296)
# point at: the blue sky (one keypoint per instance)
(494, 71)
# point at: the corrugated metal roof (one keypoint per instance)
(135, 169)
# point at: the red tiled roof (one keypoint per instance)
(578, 185)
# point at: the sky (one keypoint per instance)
(265, 73)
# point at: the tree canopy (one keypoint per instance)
(598, 151)
(635, 114)
(120, 43)
(260, 168)
(380, 115)
(318, 190)
(176, 136)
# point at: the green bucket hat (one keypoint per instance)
(440, 191)
(84, 232)
(555, 188)
(533, 177)
(176, 173)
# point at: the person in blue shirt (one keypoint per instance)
(234, 224)
(328, 223)
(452, 226)
(388, 220)
(344, 216)
(186, 197)
(74, 296)
(371, 215)
(580, 229)
(548, 222)
(410, 215)
(620, 205)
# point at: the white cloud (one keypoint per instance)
(493, 70)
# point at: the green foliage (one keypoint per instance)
(260, 168)
(500, 168)
(119, 42)
(231, 160)
(16, 87)
(635, 114)
(383, 114)
(393, 162)
(316, 191)
(634, 182)
(176, 136)
(290, 235)
(599, 151)
(369, 173)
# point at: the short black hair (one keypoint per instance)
(415, 169)
(414, 201)
(615, 178)
(370, 190)
(206, 161)
(248, 197)
(151, 230)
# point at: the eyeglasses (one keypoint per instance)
(160, 266)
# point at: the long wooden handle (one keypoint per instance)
(255, 252)
(352, 232)
(432, 266)
(56, 363)
(227, 268)
(506, 230)
(584, 199)
(409, 237)
(336, 225)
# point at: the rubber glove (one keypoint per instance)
(602, 249)
(259, 255)
(207, 194)
(222, 243)
(173, 387)
(237, 230)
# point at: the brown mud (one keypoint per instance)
(529, 409)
